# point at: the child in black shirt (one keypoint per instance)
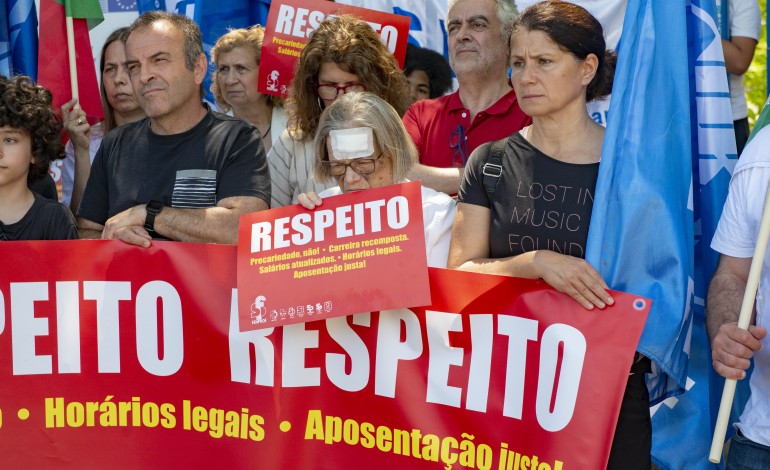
(29, 139)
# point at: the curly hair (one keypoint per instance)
(246, 38)
(26, 106)
(433, 64)
(354, 46)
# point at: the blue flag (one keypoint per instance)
(668, 157)
(150, 5)
(691, 417)
(18, 38)
(22, 18)
(641, 236)
(214, 21)
(5, 42)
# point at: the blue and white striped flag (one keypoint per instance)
(426, 28)
(18, 38)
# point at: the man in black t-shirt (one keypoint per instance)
(184, 173)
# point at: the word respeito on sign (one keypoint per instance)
(334, 258)
(290, 24)
(343, 222)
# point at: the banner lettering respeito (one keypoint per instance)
(134, 359)
(333, 257)
(290, 23)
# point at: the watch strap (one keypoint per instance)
(152, 209)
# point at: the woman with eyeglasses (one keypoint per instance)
(343, 55)
(360, 144)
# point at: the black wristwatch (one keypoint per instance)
(152, 208)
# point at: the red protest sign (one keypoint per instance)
(133, 359)
(290, 23)
(334, 258)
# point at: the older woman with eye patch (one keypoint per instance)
(361, 144)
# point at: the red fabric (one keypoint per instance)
(53, 61)
(430, 124)
(353, 248)
(290, 23)
(507, 368)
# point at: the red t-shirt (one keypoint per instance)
(437, 126)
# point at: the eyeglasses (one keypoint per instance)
(331, 92)
(362, 166)
(458, 142)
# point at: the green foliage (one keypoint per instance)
(755, 79)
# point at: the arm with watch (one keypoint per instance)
(218, 224)
(133, 234)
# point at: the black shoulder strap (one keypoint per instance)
(493, 168)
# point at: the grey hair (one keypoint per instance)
(506, 14)
(366, 110)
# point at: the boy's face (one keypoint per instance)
(15, 156)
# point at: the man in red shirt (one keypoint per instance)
(484, 108)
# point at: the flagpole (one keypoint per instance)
(744, 319)
(73, 62)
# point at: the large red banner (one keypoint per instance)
(122, 357)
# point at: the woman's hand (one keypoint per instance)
(309, 200)
(573, 276)
(75, 124)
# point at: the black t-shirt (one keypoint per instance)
(45, 220)
(539, 203)
(219, 158)
(45, 187)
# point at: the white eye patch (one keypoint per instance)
(357, 142)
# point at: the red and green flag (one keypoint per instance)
(53, 62)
